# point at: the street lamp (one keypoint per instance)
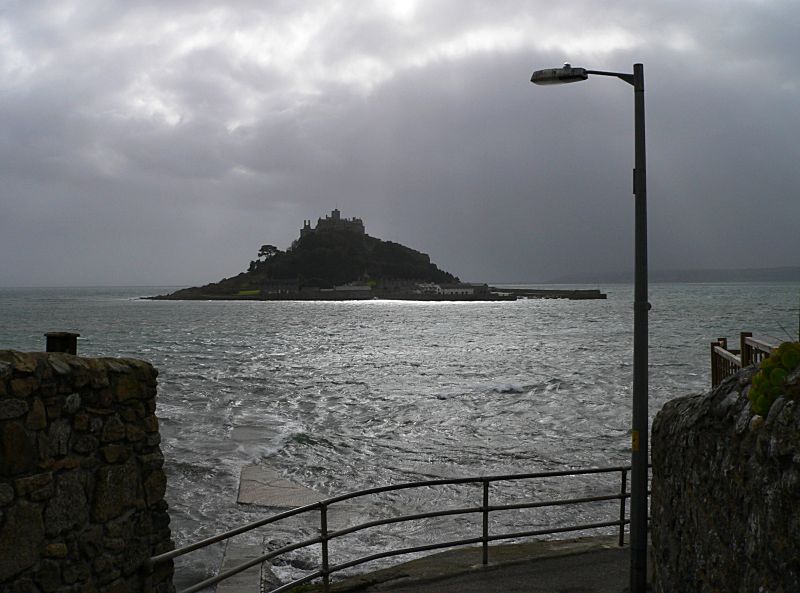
(639, 435)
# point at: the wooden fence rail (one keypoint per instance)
(725, 362)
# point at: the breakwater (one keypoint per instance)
(552, 293)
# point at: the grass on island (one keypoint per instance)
(254, 292)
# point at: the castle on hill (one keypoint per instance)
(334, 222)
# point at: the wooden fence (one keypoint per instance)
(725, 362)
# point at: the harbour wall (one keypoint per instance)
(725, 505)
(81, 483)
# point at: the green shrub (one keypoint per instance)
(769, 382)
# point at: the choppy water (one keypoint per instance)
(342, 396)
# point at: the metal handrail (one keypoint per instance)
(325, 536)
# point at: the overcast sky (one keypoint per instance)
(163, 142)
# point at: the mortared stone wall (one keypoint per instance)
(725, 506)
(81, 483)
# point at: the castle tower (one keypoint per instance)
(334, 221)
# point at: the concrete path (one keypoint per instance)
(264, 486)
(261, 485)
(248, 581)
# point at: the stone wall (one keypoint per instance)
(81, 482)
(726, 493)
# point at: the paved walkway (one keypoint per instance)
(263, 486)
(587, 565)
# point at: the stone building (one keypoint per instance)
(334, 222)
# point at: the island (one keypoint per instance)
(337, 260)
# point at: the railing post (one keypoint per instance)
(323, 529)
(485, 543)
(745, 350)
(622, 502)
(714, 372)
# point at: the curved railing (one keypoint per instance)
(326, 569)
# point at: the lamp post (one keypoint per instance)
(639, 434)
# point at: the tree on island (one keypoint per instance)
(268, 251)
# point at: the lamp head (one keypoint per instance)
(559, 75)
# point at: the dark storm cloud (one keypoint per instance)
(164, 142)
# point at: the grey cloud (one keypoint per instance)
(459, 156)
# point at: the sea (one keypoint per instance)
(340, 396)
